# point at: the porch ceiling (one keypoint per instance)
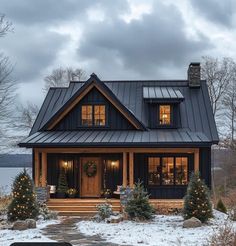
(160, 137)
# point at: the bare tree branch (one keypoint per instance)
(5, 26)
(61, 77)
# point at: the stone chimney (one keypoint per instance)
(194, 74)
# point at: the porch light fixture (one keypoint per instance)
(114, 163)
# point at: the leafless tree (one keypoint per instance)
(218, 74)
(229, 101)
(26, 116)
(7, 86)
(61, 77)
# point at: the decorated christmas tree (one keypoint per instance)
(23, 204)
(197, 201)
(138, 206)
(62, 182)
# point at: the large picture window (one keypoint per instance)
(93, 115)
(168, 170)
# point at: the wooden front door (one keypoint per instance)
(90, 186)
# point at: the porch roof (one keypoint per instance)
(155, 137)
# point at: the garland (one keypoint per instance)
(90, 168)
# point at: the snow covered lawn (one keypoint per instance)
(7, 237)
(162, 231)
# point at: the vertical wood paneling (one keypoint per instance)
(114, 118)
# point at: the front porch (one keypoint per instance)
(164, 171)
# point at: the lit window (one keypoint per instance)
(168, 171)
(164, 115)
(87, 115)
(99, 115)
(181, 173)
(93, 115)
(154, 170)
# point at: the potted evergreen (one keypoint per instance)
(71, 192)
(62, 184)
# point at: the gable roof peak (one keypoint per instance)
(94, 75)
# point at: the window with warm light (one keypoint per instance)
(99, 115)
(87, 115)
(168, 170)
(164, 115)
(181, 170)
(154, 170)
(93, 115)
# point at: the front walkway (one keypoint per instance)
(66, 231)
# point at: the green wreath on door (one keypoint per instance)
(90, 168)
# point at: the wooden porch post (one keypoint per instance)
(36, 168)
(131, 169)
(124, 169)
(44, 169)
(196, 160)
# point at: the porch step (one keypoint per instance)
(80, 207)
(77, 208)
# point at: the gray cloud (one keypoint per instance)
(217, 11)
(53, 11)
(144, 46)
(32, 49)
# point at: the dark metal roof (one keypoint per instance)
(115, 138)
(195, 110)
(162, 92)
(15, 160)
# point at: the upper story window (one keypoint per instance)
(165, 115)
(99, 115)
(93, 115)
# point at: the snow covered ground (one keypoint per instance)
(7, 237)
(162, 231)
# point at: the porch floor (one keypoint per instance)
(87, 206)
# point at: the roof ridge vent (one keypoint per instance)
(194, 74)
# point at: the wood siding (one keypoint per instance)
(205, 165)
(114, 119)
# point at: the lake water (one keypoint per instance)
(7, 176)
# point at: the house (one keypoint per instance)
(111, 133)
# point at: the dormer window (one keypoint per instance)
(165, 115)
(93, 115)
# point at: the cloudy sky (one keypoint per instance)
(116, 39)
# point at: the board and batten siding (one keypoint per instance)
(115, 120)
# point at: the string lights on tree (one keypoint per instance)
(23, 204)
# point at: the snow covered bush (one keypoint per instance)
(138, 206)
(45, 213)
(104, 210)
(226, 235)
(23, 205)
(197, 202)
